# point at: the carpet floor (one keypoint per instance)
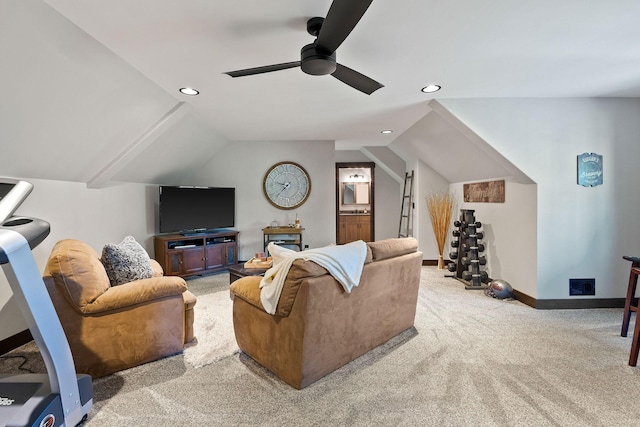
(470, 360)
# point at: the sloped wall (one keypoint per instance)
(444, 154)
(581, 232)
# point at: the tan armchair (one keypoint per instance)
(110, 328)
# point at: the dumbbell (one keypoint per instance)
(467, 260)
(452, 267)
(453, 255)
(457, 223)
(466, 247)
(477, 235)
(479, 247)
(456, 233)
(455, 243)
(483, 276)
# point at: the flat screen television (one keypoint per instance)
(196, 209)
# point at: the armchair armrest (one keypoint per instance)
(248, 289)
(136, 292)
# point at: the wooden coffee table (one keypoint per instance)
(237, 271)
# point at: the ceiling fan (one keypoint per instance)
(319, 57)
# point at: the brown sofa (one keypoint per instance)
(110, 328)
(318, 327)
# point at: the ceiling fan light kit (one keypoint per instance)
(315, 62)
(319, 57)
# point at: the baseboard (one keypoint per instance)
(572, 303)
(15, 341)
(553, 304)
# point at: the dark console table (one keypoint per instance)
(188, 255)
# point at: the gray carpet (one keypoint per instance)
(469, 361)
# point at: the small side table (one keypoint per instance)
(238, 271)
(288, 236)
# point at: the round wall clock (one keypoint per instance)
(286, 185)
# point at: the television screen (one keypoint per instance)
(193, 209)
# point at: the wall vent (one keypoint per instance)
(582, 287)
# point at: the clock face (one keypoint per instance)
(286, 185)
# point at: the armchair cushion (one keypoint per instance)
(76, 268)
(136, 292)
(126, 262)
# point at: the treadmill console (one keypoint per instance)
(12, 194)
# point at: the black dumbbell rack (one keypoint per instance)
(466, 256)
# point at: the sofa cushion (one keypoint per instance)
(369, 257)
(300, 270)
(126, 262)
(390, 248)
(76, 269)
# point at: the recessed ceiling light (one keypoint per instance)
(189, 91)
(431, 88)
(386, 131)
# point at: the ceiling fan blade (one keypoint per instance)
(356, 80)
(265, 69)
(342, 17)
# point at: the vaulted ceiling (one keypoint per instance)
(87, 79)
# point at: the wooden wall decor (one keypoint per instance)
(484, 192)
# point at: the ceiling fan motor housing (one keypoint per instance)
(316, 62)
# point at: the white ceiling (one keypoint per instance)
(491, 48)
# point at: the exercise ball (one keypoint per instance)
(499, 288)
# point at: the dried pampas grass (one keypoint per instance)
(440, 209)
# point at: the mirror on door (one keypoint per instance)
(355, 193)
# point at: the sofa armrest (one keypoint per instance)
(248, 289)
(136, 292)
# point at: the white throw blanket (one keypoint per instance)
(344, 263)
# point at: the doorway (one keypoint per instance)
(355, 207)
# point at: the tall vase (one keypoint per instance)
(440, 262)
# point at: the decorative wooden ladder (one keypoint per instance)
(406, 209)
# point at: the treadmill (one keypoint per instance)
(60, 397)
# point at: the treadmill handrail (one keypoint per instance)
(39, 313)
